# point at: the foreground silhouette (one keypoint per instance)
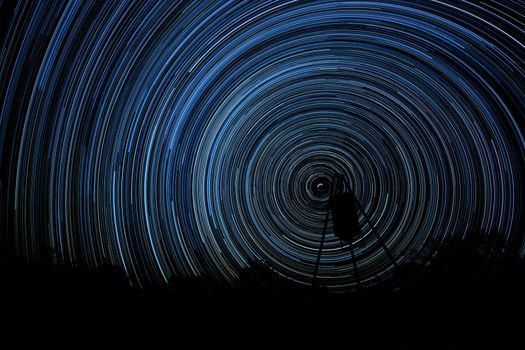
(468, 282)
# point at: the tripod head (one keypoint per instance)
(339, 182)
(344, 209)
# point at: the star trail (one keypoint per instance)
(183, 138)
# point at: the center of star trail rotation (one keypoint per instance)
(191, 138)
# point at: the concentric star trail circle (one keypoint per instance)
(184, 138)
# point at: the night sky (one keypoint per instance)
(182, 138)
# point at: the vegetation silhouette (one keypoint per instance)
(461, 280)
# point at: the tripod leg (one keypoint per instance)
(321, 247)
(383, 245)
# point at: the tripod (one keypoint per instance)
(345, 206)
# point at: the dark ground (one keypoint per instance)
(470, 296)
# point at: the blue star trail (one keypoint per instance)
(182, 138)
